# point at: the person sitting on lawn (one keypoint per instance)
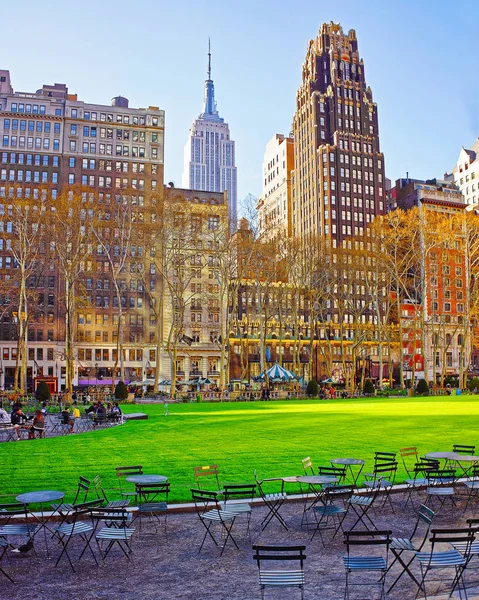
(66, 418)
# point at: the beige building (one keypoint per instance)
(274, 204)
(466, 175)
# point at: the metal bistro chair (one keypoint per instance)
(362, 506)
(81, 495)
(406, 453)
(210, 471)
(14, 529)
(376, 563)
(100, 492)
(462, 547)
(418, 480)
(280, 577)
(153, 502)
(66, 531)
(441, 487)
(238, 497)
(116, 531)
(398, 546)
(384, 457)
(273, 502)
(447, 559)
(339, 472)
(382, 477)
(209, 512)
(128, 471)
(336, 503)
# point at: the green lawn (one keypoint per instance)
(272, 437)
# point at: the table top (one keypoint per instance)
(40, 497)
(347, 461)
(288, 479)
(317, 479)
(147, 479)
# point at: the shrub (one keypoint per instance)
(368, 387)
(42, 393)
(422, 387)
(312, 389)
(121, 391)
(473, 383)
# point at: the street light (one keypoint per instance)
(96, 372)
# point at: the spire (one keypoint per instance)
(209, 108)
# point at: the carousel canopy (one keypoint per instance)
(276, 374)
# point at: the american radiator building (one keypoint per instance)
(338, 179)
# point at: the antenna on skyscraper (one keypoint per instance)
(209, 58)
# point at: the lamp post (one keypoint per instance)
(96, 373)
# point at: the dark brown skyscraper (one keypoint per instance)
(338, 180)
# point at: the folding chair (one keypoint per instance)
(382, 477)
(464, 449)
(115, 531)
(400, 545)
(237, 497)
(100, 492)
(376, 563)
(418, 479)
(210, 471)
(153, 501)
(362, 505)
(280, 577)
(81, 495)
(210, 513)
(83, 529)
(447, 559)
(3, 547)
(384, 457)
(336, 503)
(462, 547)
(8, 530)
(273, 502)
(410, 451)
(441, 487)
(307, 466)
(122, 472)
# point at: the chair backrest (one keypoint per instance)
(441, 477)
(308, 465)
(7, 511)
(335, 493)
(211, 471)
(463, 449)
(239, 490)
(279, 553)
(98, 487)
(463, 535)
(385, 470)
(148, 492)
(405, 453)
(339, 472)
(425, 517)
(384, 457)
(204, 499)
(129, 471)
(83, 487)
(368, 538)
(117, 517)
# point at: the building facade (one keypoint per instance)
(52, 143)
(465, 175)
(209, 160)
(435, 320)
(274, 204)
(339, 175)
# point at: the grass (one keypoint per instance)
(272, 437)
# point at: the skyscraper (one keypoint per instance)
(338, 179)
(210, 153)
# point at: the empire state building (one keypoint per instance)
(209, 163)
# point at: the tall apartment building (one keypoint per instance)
(274, 204)
(339, 175)
(436, 320)
(209, 161)
(466, 175)
(52, 142)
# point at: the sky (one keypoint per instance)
(420, 57)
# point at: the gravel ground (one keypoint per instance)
(169, 566)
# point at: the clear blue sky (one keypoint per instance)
(421, 59)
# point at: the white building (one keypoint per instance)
(209, 163)
(274, 204)
(466, 174)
